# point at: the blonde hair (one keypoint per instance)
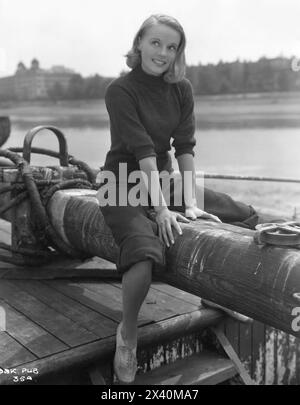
(176, 71)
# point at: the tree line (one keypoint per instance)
(92, 87)
(264, 75)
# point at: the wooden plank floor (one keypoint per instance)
(56, 311)
(51, 316)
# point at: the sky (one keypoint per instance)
(92, 36)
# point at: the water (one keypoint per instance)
(255, 151)
(256, 136)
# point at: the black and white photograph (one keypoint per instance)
(149, 195)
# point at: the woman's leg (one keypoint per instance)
(135, 286)
(227, 209)
(139, 248)
(216, 203)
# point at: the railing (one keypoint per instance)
(251, 178)
(203, 175)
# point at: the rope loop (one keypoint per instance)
(39, 192)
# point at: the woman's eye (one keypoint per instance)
(156, 43)
(173, 48)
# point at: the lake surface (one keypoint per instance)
(255, 151)
(255, 135)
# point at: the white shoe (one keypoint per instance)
(125, 363)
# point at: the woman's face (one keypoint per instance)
(158, 47)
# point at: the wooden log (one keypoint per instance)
(4, 129)
(219, 262)
(5, 163)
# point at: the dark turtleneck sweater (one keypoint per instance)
(145, 113)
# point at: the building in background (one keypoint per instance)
(34, 83)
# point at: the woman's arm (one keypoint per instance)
(188, 174)
(164, 218)
(148, 166)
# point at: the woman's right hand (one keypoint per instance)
(167, 219)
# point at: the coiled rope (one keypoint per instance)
(39, 192)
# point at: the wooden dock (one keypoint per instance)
(62, 320)
(60, 324)
(74, 321)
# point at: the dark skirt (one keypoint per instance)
(136, 233)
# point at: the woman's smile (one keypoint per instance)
(159, 62)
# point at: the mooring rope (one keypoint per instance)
(39, 193)
(91, 173)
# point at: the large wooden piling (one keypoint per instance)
(218, 262)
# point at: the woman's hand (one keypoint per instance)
(167, 219)
(195, 212)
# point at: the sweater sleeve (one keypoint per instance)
(184, 140)
(125, 122)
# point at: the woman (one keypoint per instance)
(147, 107)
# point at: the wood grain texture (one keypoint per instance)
(12, 354)
(206, 368)
(82, 315)
(219, 262)
(30, 335)
(102, 350)
(51, 320)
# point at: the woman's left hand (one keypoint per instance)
(195, 212)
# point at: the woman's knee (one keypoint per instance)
(145, 265)
(141, 272)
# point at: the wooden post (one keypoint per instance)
(23, 234)
(5, 127)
